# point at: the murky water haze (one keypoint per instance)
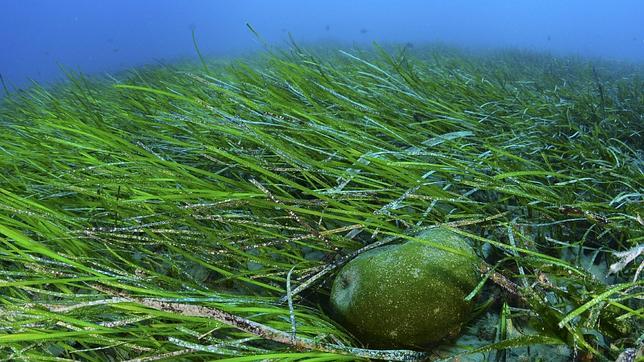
(97, 36)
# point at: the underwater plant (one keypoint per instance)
(411, 294)
(201, 211)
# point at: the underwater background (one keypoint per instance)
(321, 181)
(97, 36)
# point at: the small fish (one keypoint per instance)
(327, 28)
(549, 38)
(363, 31)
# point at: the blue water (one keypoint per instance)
(37, 36)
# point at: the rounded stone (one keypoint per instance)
(407, 295)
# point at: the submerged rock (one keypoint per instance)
(410, 294)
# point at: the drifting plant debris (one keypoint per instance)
(200, 211)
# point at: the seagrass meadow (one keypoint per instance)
(200, 211)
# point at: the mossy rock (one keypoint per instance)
(407, 295)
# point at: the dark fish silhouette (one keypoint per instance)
(363, 31)
(327, 28)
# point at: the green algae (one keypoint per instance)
(411, 294)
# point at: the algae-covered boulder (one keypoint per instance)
(410, 294)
